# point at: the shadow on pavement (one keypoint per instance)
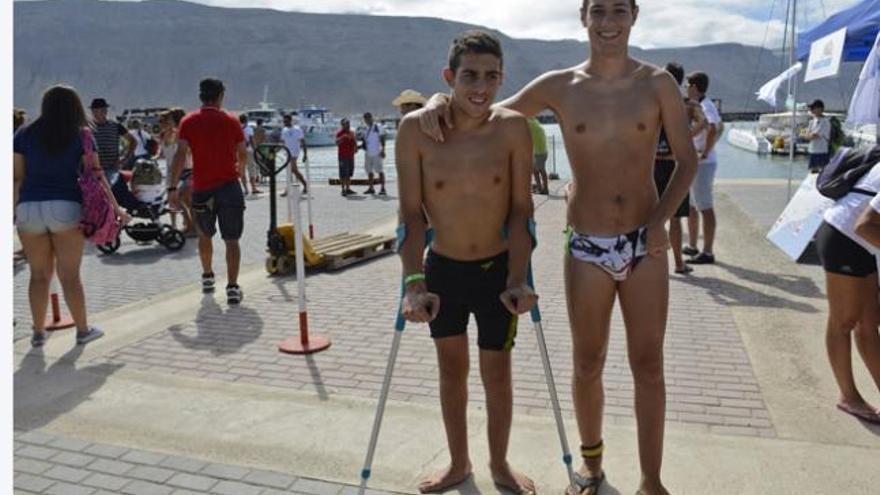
(18, 266)
(793, 284)
(221, 332)
(43, 394)
(317, 380)
(875, 429)
(148, 254)
(730, 294)
(469, 487)
(314, 370)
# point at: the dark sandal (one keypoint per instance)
(584, 483)
(866, 416)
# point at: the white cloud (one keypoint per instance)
(663, 23)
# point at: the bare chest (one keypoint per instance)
(465, 168)
(596, 115)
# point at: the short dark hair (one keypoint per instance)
(676, 70)
(242, 118)
(700, 80)
(632, 3)
(474, 41)
(368, 115)
(210, 90)
(817, 104)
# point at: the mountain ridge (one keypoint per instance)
(153, 53)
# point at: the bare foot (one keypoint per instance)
(514, 481)
(445, 479)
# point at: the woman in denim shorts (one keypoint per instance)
(48, 156)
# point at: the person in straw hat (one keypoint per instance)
(408, 101)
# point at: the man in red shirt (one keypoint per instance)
(347, 143)
(219, 155)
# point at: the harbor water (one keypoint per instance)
(732, 162)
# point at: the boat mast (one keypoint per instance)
(793, 91)
(265, 105)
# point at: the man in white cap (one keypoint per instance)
(409, 100)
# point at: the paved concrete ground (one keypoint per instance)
(137, 273)
(750, 394)
(57, 465)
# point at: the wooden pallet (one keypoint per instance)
(354, 248)
(354, 182)
(339, 250)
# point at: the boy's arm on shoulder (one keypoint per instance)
(521, 206)
(536, 96)
(675, 121)
(409, 184)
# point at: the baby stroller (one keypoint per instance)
(145, 199)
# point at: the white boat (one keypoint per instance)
(390, 125)
(748, 140)
(271, 117)
(865, 135)
(775, 128)
(318, 125)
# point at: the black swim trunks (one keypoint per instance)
(467, 287)
(841, 255)
(663, 170)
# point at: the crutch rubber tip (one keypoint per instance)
(365, 474)
(567, 459)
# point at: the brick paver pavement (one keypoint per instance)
(55, 465)
(710, 382)
(136, 272)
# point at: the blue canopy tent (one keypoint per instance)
(862, 21)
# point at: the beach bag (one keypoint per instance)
(848, 166)
(99, 223)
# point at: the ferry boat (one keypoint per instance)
(318, 125)
(748, 140)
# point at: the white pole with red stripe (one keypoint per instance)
(305, 343)
(309, 197)
(288, 189)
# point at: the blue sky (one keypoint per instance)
(663, 23)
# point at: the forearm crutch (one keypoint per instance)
(399, 325)
(551, 386)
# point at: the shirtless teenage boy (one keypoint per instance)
(610, 110)
(472, 187)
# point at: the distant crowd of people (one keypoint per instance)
(210, 167)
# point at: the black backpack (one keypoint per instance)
(837, 137)
(848, 166)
